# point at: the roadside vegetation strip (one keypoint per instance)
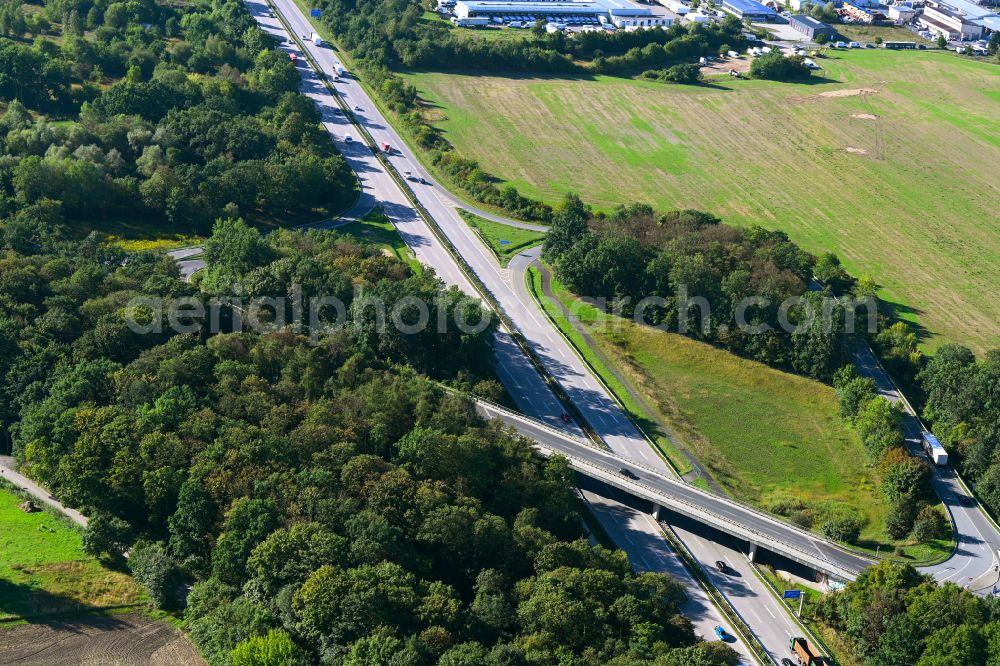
(477, 284)
(470, 274)
(718, 599)
(377, 229)
(493, 234)
(616, 390)
(768, 437)
(811, 629)
(43, 569)
(776, 587)
(657, 144)
(983, 508)
(401, 128)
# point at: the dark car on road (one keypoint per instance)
(628, 474)
(785, 661)
(965, 500)
(721, 566)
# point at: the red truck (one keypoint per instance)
(386, 148)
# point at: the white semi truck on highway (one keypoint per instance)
(317, 40)
(933, 449)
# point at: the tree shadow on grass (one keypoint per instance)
(906, 313)
(24, 602)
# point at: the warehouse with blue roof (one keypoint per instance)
(750, 10)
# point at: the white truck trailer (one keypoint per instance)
(933, 449)
(317, 40)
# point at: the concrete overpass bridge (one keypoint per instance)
(756, 527)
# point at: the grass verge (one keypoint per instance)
(734, 618)
(376, 229)
(767, 437)
(636, 413)
(505, 240)
(831, 642)
(44, 571)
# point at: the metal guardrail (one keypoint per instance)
(923, 427)
(639, 489)
(721, 601)
(512, 415)
(600, 380)
(810, 634)
(470, 274)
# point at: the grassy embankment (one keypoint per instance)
(44, 571)
(899, 182)
(493, 233)
(766, 436)
(376, 229)
(637, 413)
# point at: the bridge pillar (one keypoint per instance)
(753, 552)
(657, 511)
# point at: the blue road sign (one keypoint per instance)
(315, 13)
(504, 242)
(791, 594)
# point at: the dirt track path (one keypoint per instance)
(123, 640)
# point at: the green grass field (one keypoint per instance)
(901, 182)
(376, 229)
(492, 233)
(763, 434)
(635, 411)
(43, 568)
(860, 32)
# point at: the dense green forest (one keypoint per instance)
(635, 253)
(331, 501)
(963, 407)
(164, 114)
(893, 616)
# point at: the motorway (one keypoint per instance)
(686, 499)
(641, 536)
(532, 394)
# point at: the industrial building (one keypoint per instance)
(945, 21)
(620, 13)
(676, 6)
(650, 21)
(902, 13)
(959, 19)
(869, 13)
(810, 27)
(749, 9)
(465, 9)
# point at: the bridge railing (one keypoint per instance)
(691, 508)
(694, 510)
